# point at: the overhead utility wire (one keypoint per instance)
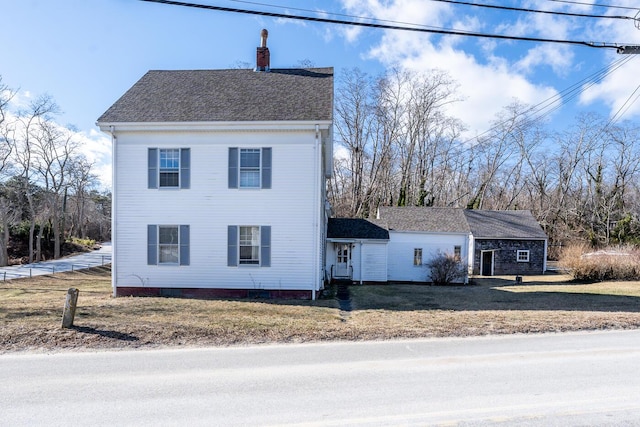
(624, 107)
(550, 12)
(596, 5)
(383, 26)
(574, 90)
(546, 107)
(334, 14)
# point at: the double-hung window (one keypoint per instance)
(169, 168)
(249, 245)
(167, 244)
(249, 167)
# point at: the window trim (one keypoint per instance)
(257, 248)
(175, 246)
(173, 170)
(417, 257)
(250, 169)
(520, 252)
(457, 252)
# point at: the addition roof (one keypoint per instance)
(425, 219)
(226, 96)
(355, 228)
(503, 224)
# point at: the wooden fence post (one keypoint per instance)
(70, 308)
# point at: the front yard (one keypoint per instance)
(31, 313)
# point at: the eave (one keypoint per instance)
(232, 126)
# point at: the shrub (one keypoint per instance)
(445, 269)
(89, 243)
(615, 263)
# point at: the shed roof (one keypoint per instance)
(426, 219)
(355, 228)
(226, 95)
(503, 224)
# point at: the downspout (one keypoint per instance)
(316, 215)
(544, 260)
(361, 269)
(114, 264)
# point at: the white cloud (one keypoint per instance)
(487, 83)
(96, 147)
(616, 88)
(558, 57)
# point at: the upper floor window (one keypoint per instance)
(169, 168)
(249, 167)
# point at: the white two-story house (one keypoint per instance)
(219, 181)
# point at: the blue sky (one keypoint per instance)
(86, 54)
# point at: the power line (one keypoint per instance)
(336, 14)
(546, 107)
(550, 12)
(385, 26)
(596, 5)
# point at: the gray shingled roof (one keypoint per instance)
(355, 228)
(226, 95)
(417, 218)
(504, 224)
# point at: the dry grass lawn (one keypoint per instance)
(31, 313)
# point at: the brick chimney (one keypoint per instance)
(262, 54)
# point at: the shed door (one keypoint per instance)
(487, 263)
(343, 260)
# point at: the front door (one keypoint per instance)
(343, 260)
(487, 263)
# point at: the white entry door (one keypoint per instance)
(343, 260)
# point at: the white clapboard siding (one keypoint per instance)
(374, 262)
(292, 208)
(401, 249)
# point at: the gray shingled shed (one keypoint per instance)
(506, 243)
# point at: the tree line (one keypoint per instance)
(401, 147)
(48, 191)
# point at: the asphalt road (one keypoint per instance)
(76, 262)
(557, 379)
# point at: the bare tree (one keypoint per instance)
(354, 121)
(82, 181)
(54, 149)
(23, 138)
